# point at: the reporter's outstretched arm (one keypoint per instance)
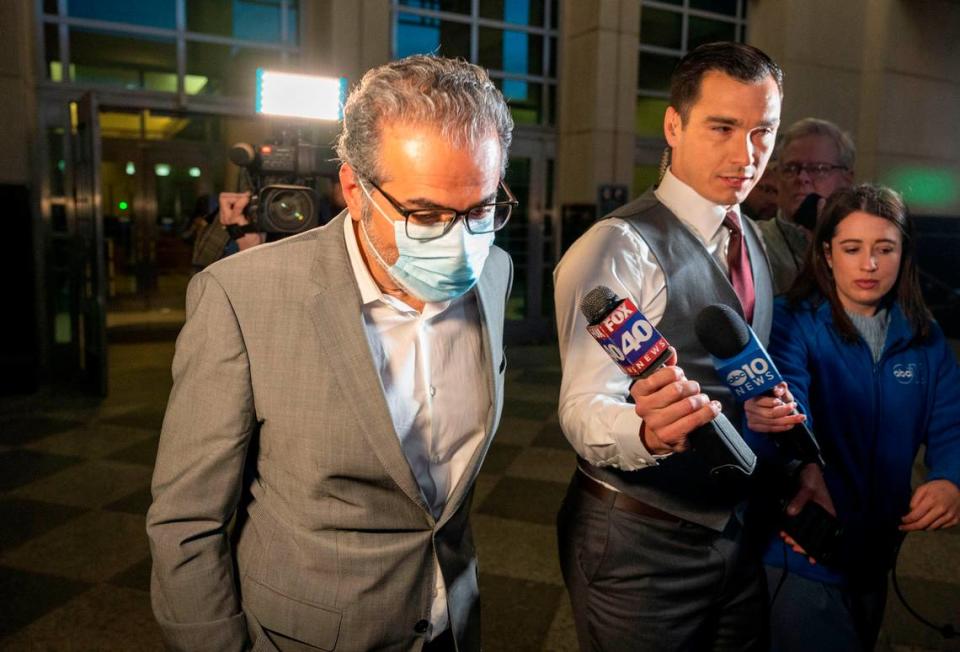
(936, 504)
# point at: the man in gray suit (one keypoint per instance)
(335, 394)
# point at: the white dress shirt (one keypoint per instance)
(601, 426)
(433, 371)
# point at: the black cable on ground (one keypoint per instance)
(947, 630)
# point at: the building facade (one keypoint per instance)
(118, 116)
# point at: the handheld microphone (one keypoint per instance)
(746, 368)
(639, 350)
(624, 333)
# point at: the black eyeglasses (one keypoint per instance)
(815, 170)
(433, 223)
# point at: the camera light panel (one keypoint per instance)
(293, 95)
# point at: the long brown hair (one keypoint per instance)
(816, 281)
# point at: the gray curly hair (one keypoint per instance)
(452, 94)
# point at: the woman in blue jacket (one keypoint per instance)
(876, 379)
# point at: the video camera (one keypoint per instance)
(282, 178)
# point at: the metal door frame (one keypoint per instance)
(90, 327)
(535, 326)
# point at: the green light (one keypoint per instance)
(131, 169)
(122, 205)
(926, 187)
(61, 165)
(194, 172)
(194, 84)
(162, 169)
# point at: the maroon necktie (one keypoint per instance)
(738, 265)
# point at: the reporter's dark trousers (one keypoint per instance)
(640, 583)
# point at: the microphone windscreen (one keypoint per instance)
(722, 331)
(596, 303)
(242, 154)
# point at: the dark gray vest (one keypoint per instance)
(680, 484)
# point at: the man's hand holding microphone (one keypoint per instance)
(671, 407)
(676, 415)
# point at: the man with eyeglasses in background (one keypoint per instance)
(336, 393)
(814, 157)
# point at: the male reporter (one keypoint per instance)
(319, 397)
(651, 549)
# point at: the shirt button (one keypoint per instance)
(433, 390)
(421, 627)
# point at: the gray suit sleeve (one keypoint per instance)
(197, 480)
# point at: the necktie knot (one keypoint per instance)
(732, 221)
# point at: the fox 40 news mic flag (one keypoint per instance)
(639, 349)
(630, 340)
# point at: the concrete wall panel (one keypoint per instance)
(918, 117)
(813, 90)
(925, 39)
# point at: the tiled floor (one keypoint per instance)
(74, 487)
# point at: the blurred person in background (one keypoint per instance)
(761, 203)
(814, 157)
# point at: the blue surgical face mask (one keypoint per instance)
(434, 270)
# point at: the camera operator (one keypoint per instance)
(213, 240)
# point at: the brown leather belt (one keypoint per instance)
(621, 500)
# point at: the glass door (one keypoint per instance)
(159, 178)
(529, 239)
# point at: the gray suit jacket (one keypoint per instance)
(277, 419)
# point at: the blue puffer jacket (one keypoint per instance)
(870, 420)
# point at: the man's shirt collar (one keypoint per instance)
(699, 213)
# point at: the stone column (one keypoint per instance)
(597, 96)
(18, 98)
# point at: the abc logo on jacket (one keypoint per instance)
(907, 374)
